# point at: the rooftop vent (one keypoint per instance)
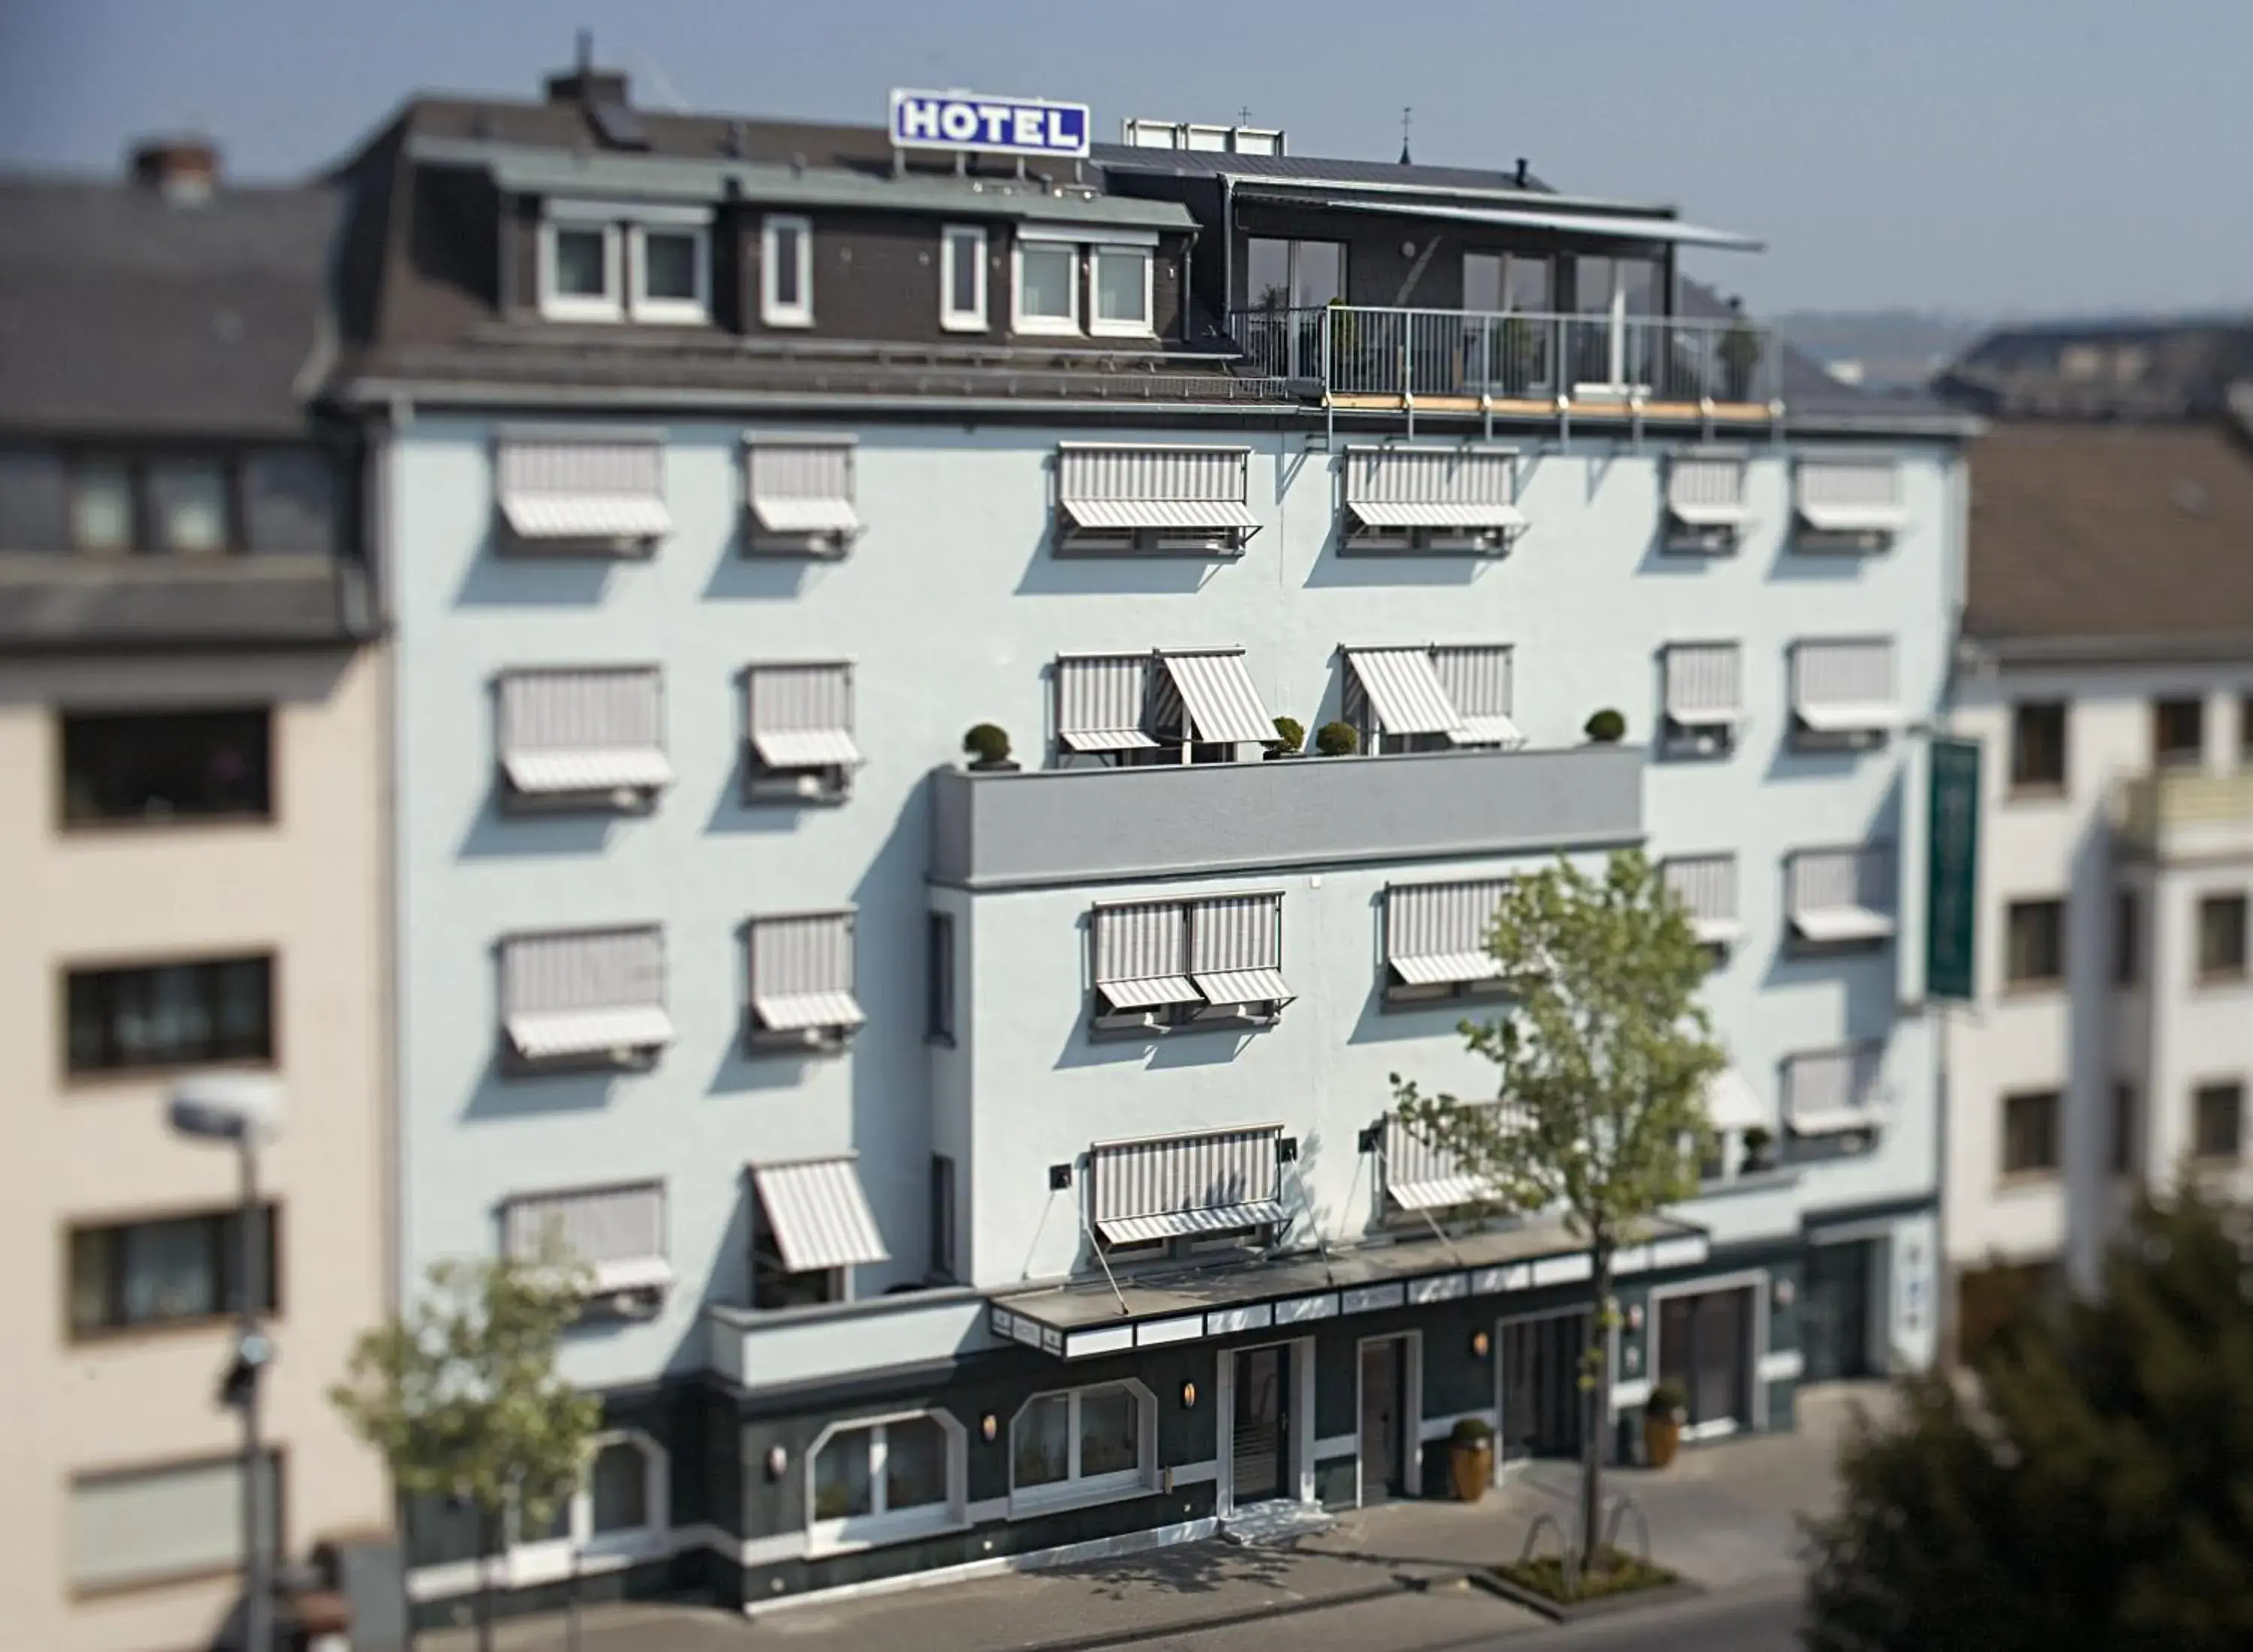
(602, 93)
(183, 169)
(1190, 135)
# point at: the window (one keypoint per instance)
(810, 1226)
(962, 279)
(1213, 1183)
(1842, 897)
(1170, 964)
(137, 1017)
(1829, 1091)
(1705, 508)
(2218, 1120)
(1435, 941)
(166, 766)
(2123, 1129)
(1430, 499)
(801, 982)
(587, 998)
(671, 273)
(2127, 938)
(617, 1490)
(1294, 274)
(601, 262)
(181, 1270)
(942, 1216)
(1705, 698)
(2030, 1139)
(177, 505)
(1085, 1443)
(938, 978)
(799, 491)
(616, 1233)
(141, 1526)
(191, 506)
(101, 507)
(1506, 282)
(2034, 937)
(1122, 289)
(1849, 504)
(2221, 937)
(562, 493)
(786, 273)
(582, 739)
(1047, 285)
(881, 1481)
(1843, 693)
(1706, 886)
(2038, 747)
(579, 270)
(1113, 497)
(2178, 731)
(799, 722)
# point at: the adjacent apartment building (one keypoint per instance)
(2107, 671)
(986, 1162)
(190, 726)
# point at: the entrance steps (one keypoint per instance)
(1272, 1525)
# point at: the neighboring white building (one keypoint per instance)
(988, 1163)
(2107, 672)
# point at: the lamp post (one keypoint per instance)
(243, 1111)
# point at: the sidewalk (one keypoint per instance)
(1385, 1579)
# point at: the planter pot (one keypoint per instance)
(1470, 1470)
(1662, 1437)
(1276, 756)
(1007, 765)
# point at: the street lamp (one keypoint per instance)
(243, 1109)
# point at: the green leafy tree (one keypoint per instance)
(2093, 1488)
(462, 1397)
(1604, 1055)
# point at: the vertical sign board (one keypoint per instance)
(970, 124)
(1952, 889)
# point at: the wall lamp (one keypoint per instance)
(1480, 1344)
(1188, 1395)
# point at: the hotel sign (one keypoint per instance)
(977, 125)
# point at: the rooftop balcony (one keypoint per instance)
(2186, 816)
(1660, 368)
(1058, 827)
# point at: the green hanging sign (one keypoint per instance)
(1952, 889)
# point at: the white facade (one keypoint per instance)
(951, 608)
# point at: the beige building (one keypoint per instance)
(190, 855)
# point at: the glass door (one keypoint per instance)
(1540, 1385)
(1382, 1458)
(1705, 1348)
(1262, 1423)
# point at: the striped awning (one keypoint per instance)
(1178, 516)
(800, 715)
(1435, 933)
(805, 748)
(1441, 968)
(549, 773)
(1100, 702)
(548, 1034)
(1705, 490)
(802, 972)
(1842, 924)
(1216, 693)
(571, 489)
(1173, 1224)
(1852, 496)
(1149, 992)
(801, 488)
(1404, 690)
(818, 1213)
(1215, 1181)
(1420, 1175)
(1839, 718)
(795, 1012)
(1493, 729)
(1731, 1102)
(1243, 987)
(1469, 516)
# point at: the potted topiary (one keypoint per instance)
(1290, 738)
(1606, 728)
(988, 746)
(1471, 1459)
(1337, 740)
(1662, 1422)
(1759, 1145)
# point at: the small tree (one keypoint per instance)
(2094, 1491)
(463, 1398)
(1604, 1055)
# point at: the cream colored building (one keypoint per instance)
(190, 852)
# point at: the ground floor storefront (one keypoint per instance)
(1100, 1418)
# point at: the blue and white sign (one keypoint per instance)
(988, 126)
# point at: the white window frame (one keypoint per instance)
(560, 306)
(952, 238)
(1144, 328)
(1057, 326)
(1075, 1490)
(773, 311)
(696, 311)
(850, 1532)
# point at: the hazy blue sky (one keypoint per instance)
(2015, 156)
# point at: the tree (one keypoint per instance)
(2093, 1488)
(463, 1398)
(1604, 1054)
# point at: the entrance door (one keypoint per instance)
(1705, 1347)
(1263, 1420)
(1383, 1459)
(1540, 1385)
(1835, 1312)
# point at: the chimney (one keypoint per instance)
(585, 83)
(183, 170)
(1521, 172)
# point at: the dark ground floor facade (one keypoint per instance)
(1166, 1423)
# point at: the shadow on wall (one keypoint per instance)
(721, 1278)
(738, 576)
(890, 1121)
(493, 831)
(501, 1094)
(496, 578)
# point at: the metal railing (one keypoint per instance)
(1361, 350)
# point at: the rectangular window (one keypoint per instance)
(1430, 498)
(587, 739)
(1830, 1091)
(1125, 497)
(884, 1480)
(1435, 940)
(1705, 697)
(1843, 897)
(1086, 1442)
(962, 279)
(1047, 286)
(1178, 963)
(799, 722)
(102, 506)
(570, 493)
(942, 1216)
(1294, 274)
(191, 507)
(2034, 937)
(179, 1271)
(165, 766)
(2038, 747)
(2179, 732)
(799, 493)
(143, 1016)
(938, 978)
(672, 265)
(2127, 938)
(2221, 937)
(579, 258)
(1849, 504)
(616, 1233)
(2030, 1133)
(1705, 508)
(2123, 1129)
(811, 1225)
(801, 982)
(142, 1526)
(1843, 693)
(1122, 290)
(2245, 732)
(786, 272)
(2218, 1120)
(586, 996)
(1706, 886)
(1154, 1188)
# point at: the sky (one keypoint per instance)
(1987, 157)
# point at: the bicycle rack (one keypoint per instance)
(1566, 1558)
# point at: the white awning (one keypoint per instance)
(818, 1213)
(1161, 1186)
(1832, 1122)
(1218, 695)
(1848, 719)
(571, 489)
(801, 487)
(1493, 730)
(1108, 740)
(1441, 1193)
(800, 715)
(584, 516)
(1404, 690)
(807, 516)
(548, 773)
(1150, 993)
(1176, 516)
(1843, 923)
(1702, 717)
(1470, 516)
(1717, 931)
(632, 1273)
(1243, 987)
(805, 748)
(1853, 519)
(1706, 513)
(797, 1011)
(547, 1034)
(1173, 1224)
(1731, 1102)
(1447, 968)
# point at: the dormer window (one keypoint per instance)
(786, 272)
(603, 261)
(1047, 285)
(1122, 292)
